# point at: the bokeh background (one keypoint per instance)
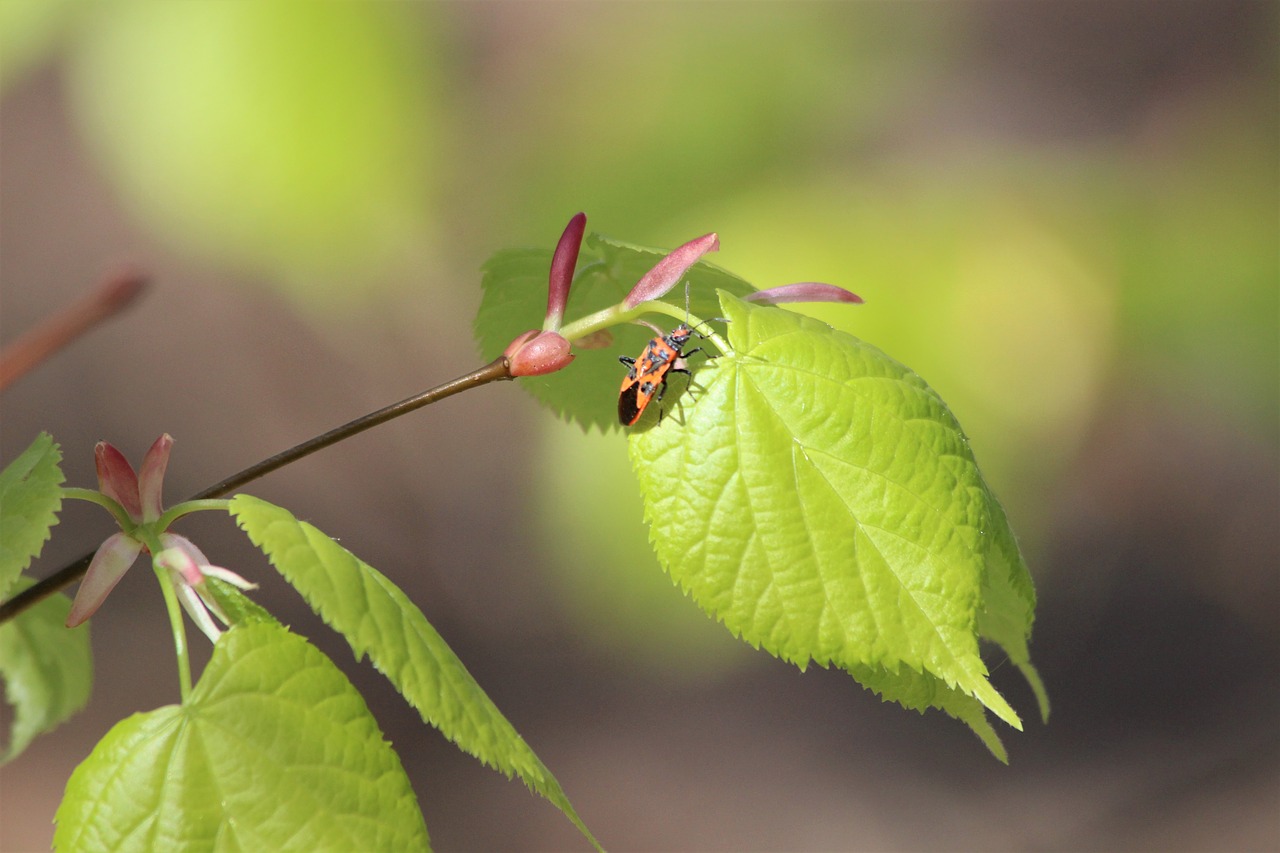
(1065, 216)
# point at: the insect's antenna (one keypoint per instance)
(707, 322)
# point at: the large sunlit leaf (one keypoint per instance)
(597, 556)
(380, 621)
(821, 500)
(30, 496)
(274, 750)
(515, 300)
(47, 670)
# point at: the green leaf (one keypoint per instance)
(274, 750)
(380, 621)
(47, 670)
(239, 608)
(821, 500)
(921, 691)
(30, 497)
(1009, 602)
(515, 300)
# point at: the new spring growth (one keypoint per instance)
(658, 281)
(805, 291)
(537, 352)
(547, 350)
(665, 273)
(134, 499)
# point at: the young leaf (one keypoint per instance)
(515, 296)
(30, 496)
(378, 619)
(47, 670)
(821, 500)
(239, 608)
(275, 750)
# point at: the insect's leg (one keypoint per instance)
(687, 388)
(627, 360)
(662, 389)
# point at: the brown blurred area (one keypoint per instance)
(1158, 567)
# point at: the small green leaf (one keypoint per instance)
(515, 300)
(275, 750)
(821, 500)
(239, 608)
(47, 670)
(380, 621)
(30, 497)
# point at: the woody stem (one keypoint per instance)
(495, 370)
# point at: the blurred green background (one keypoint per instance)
(1065, 216)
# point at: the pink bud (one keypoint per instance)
(563, 263)
(805, 291)
(181, 562)
(536, 353)
(667, 271)
(112, 559)
(524, 338)
(151, 477)
(116, 479)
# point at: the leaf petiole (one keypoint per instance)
(179, 629)
(694, 322)
(111, 505)
(177, 511)
(614, 315)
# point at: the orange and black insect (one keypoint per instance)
(646, 378)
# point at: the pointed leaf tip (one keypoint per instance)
(378, 619)
(843, 553)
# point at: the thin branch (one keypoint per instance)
(492, 372)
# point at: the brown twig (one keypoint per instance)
(107, 299)
(495, 370)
